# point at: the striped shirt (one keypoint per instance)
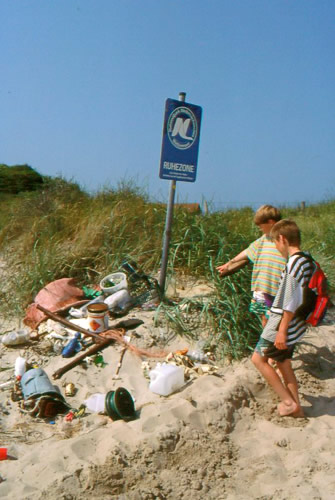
(290, 297)
(268, 264)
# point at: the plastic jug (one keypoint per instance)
(166, 379)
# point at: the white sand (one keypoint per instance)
(219, 437)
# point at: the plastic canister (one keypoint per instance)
(20, 367)
(166, 379)
(97, 317)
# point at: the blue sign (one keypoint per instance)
(180, 144)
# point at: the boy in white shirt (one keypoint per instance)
(286, 324)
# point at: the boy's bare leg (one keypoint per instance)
(288, 406)
(285, 368)
(264, 320)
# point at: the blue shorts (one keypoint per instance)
(267, 349)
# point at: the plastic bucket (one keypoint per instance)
(120, 404)
(35, 383)
(119, 281)
(97, 317)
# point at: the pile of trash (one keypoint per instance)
(77, 324)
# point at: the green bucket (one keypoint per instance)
(120, 405)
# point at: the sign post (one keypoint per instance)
(179, 157)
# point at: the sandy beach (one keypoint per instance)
(218, 437)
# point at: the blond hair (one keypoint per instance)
(265, 213)
(287, 228)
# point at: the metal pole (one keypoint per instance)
(168, 225)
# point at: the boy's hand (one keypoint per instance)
(280, 341)
(281, 336)
(224, 267)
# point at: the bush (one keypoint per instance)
(19, 178)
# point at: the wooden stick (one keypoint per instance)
(67, 323)
(92, 350)
(118, 368)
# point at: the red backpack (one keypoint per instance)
(318, 284)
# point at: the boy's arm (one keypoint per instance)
(281, 336)
(238, 259)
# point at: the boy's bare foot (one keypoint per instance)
(291, 409)
(299, 413)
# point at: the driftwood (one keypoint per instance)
(67, 323)
(92, 350)
(108, 337)
(104, 340)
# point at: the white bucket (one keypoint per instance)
(97, 317)
(119, 280)
(166, 379)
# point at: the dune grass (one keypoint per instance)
(62, 231)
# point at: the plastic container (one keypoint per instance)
(16, 337)
(20, 367)
(120, 404)
(119, 299)
(166, 379)
(119, 280)
(72, 347)
(96, 403)
(97, 317)
(4, 455)
(117, 404)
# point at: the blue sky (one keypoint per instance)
(83, 87)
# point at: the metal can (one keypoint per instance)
(70, 389)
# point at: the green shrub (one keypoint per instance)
(19, 178)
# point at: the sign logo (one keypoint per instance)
(180, 141)
(182, 128)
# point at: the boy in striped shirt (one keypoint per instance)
(286, 324)
(268, 263)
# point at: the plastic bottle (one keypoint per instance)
(166, 379)
(7, 385)
(96, 403)
(16, 337)
(119, 299)
(72, 347)
(132, 270)
(20, 367)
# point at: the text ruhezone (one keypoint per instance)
(179, 167)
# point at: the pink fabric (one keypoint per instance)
(55, 296)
